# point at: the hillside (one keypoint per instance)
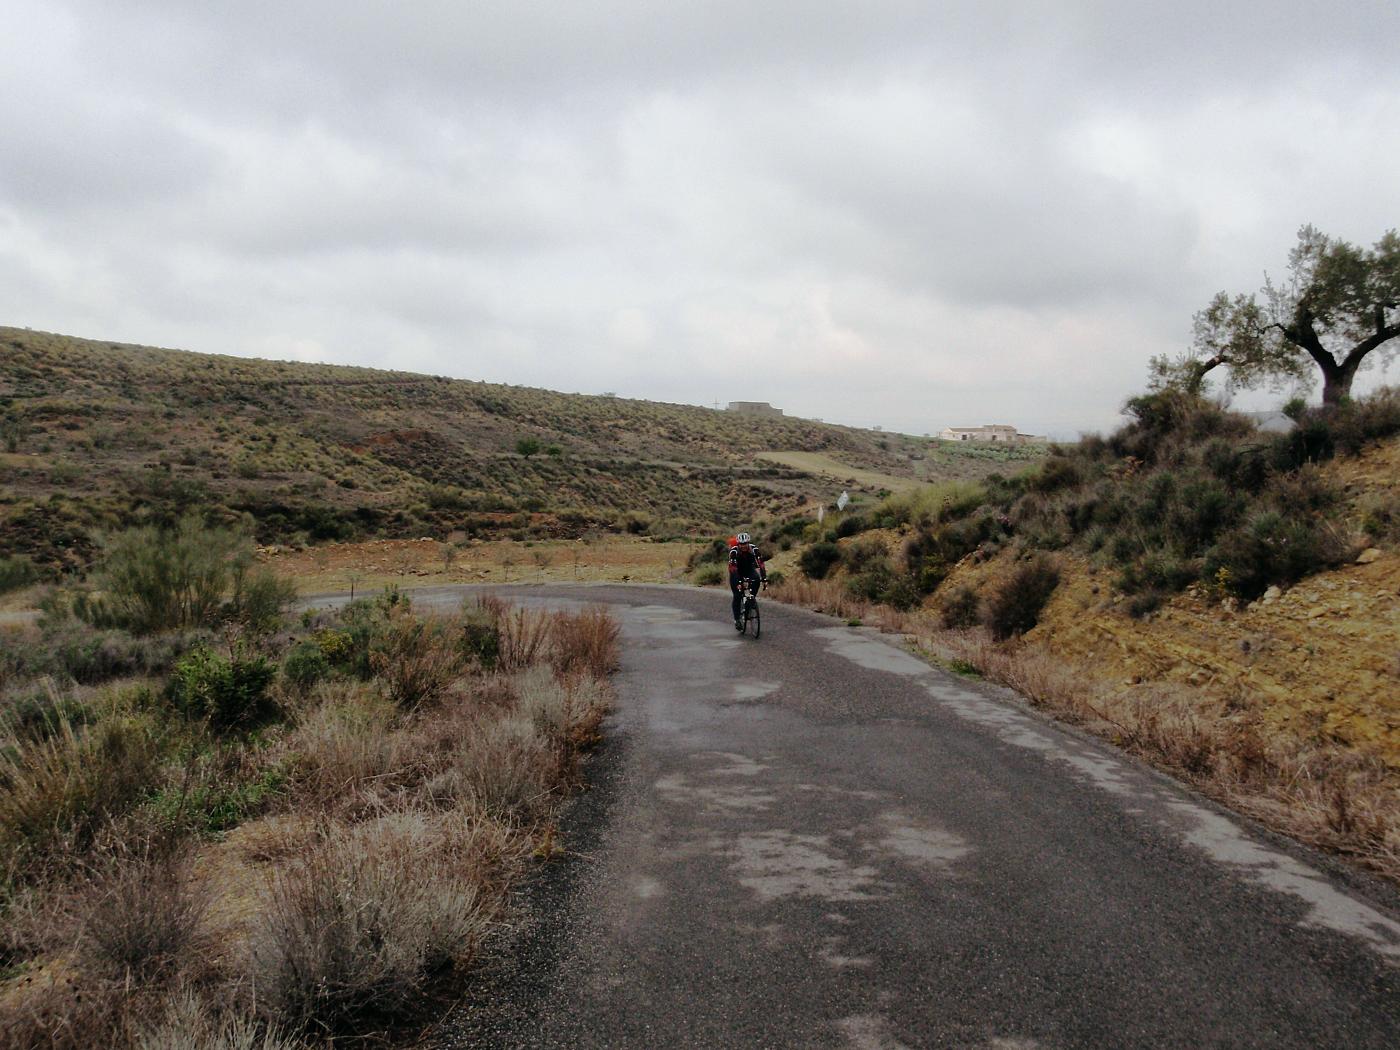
(97, 435)
(1219, 600)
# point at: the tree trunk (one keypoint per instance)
(1336, 381)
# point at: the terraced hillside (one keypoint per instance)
(98, 435)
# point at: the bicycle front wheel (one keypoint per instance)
(757, 623)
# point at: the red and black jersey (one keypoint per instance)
(745, 560)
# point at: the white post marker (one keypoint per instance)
(843, 500)
(821, 513)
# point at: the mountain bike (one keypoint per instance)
(748, 608)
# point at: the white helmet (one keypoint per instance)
(743, 537)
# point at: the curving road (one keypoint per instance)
(816, 840)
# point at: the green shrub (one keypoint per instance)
(260, 598)
(230, 693)
(708, 576)
(156, 579)
(850, 525)
(961, 608)
(1380, 517)
(306, 665)
(1015, 607)
(481, 638)
(16, 571)
(217, 792)
(1271, 548)
(818, 559)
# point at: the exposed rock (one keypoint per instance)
(1367, 556)
(1271, 595)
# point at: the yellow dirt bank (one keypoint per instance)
(1321, 659)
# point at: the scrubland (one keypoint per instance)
(1219, 601)
(97, 436)
(222, 828)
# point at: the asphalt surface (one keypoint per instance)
(816, 840)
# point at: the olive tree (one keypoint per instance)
(1337, 304)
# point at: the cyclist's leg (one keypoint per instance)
(736, 605)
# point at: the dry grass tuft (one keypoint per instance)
(585, 642)
(505, 768)
(190, 1022)
(346, 746)
(56, 793)
(354, 930)
(141, 914)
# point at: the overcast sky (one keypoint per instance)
(911, 214)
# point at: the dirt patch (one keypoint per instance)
(1323, 658)
(373, 565)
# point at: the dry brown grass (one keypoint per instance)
(522, 633)
(353, 931)
(830, 596)
(191, 1022)
(346, 746)
(1341, 798)
(585, 642)
(116, 938)
(56, 793)
(407, 812)
(141, 914)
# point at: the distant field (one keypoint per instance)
(827, 466)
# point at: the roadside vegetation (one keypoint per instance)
(222, 827)
(1187, 503)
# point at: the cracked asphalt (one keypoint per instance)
(817, 840)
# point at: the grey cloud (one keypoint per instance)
(871, 208)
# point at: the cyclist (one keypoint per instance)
(745, 563)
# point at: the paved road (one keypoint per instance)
(816, 840)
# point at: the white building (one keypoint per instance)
(997, 432)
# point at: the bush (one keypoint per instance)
(58, 792)
(306, 665)
(415, 659)
(708, 576)
(850, 525)
(229, 693)
(1015, 607)
(481, 641)
(585, 642)
(16, 571)
(1273, 549)
(961, 608)
(152, 579)
(359, 925)
(818, 559)
(260, 599)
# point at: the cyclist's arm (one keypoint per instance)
(762, 569)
